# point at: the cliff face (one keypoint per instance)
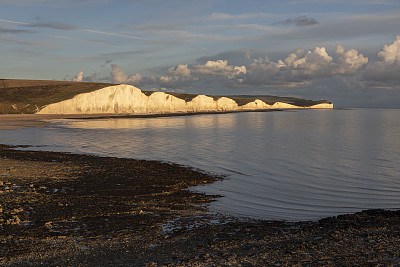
(127, 99)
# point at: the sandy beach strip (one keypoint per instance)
(20, 121)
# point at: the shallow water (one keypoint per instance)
(293, 165)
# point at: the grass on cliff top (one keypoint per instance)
(26, 96)
(242, 100)
(29, 96)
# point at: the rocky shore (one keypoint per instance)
(67, 209)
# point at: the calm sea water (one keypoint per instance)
(293, 165)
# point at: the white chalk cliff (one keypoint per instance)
(127, 99)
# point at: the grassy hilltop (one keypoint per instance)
(29, 96)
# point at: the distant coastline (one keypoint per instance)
(52, 97)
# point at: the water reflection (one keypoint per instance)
(281, 165)
(196, 121)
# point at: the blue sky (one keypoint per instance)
(344, 51)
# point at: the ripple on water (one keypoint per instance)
(279, 165)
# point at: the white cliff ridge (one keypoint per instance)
(127, 99)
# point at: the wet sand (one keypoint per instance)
(9, 122)
(20, 121)
(68, 209)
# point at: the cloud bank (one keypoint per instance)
(385, 71)
(297, 68)
(341, 74)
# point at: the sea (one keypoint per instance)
(281, 165)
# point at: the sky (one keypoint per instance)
(347, 52)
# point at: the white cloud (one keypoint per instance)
(135, 78)
(349, 61)
(296, 67)
(184, 76)
(175, 77)
(174, 82)
(391, 53)
(314, 63)
(119, 76)
(219, 68)
(78, 77)
(181, 70)
(385, 71)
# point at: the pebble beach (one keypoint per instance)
(66, 209)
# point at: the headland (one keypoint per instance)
(53, 97)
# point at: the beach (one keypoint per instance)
(20, 121)
(67, 209)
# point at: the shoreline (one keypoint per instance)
(63, 208)
(22, 121)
